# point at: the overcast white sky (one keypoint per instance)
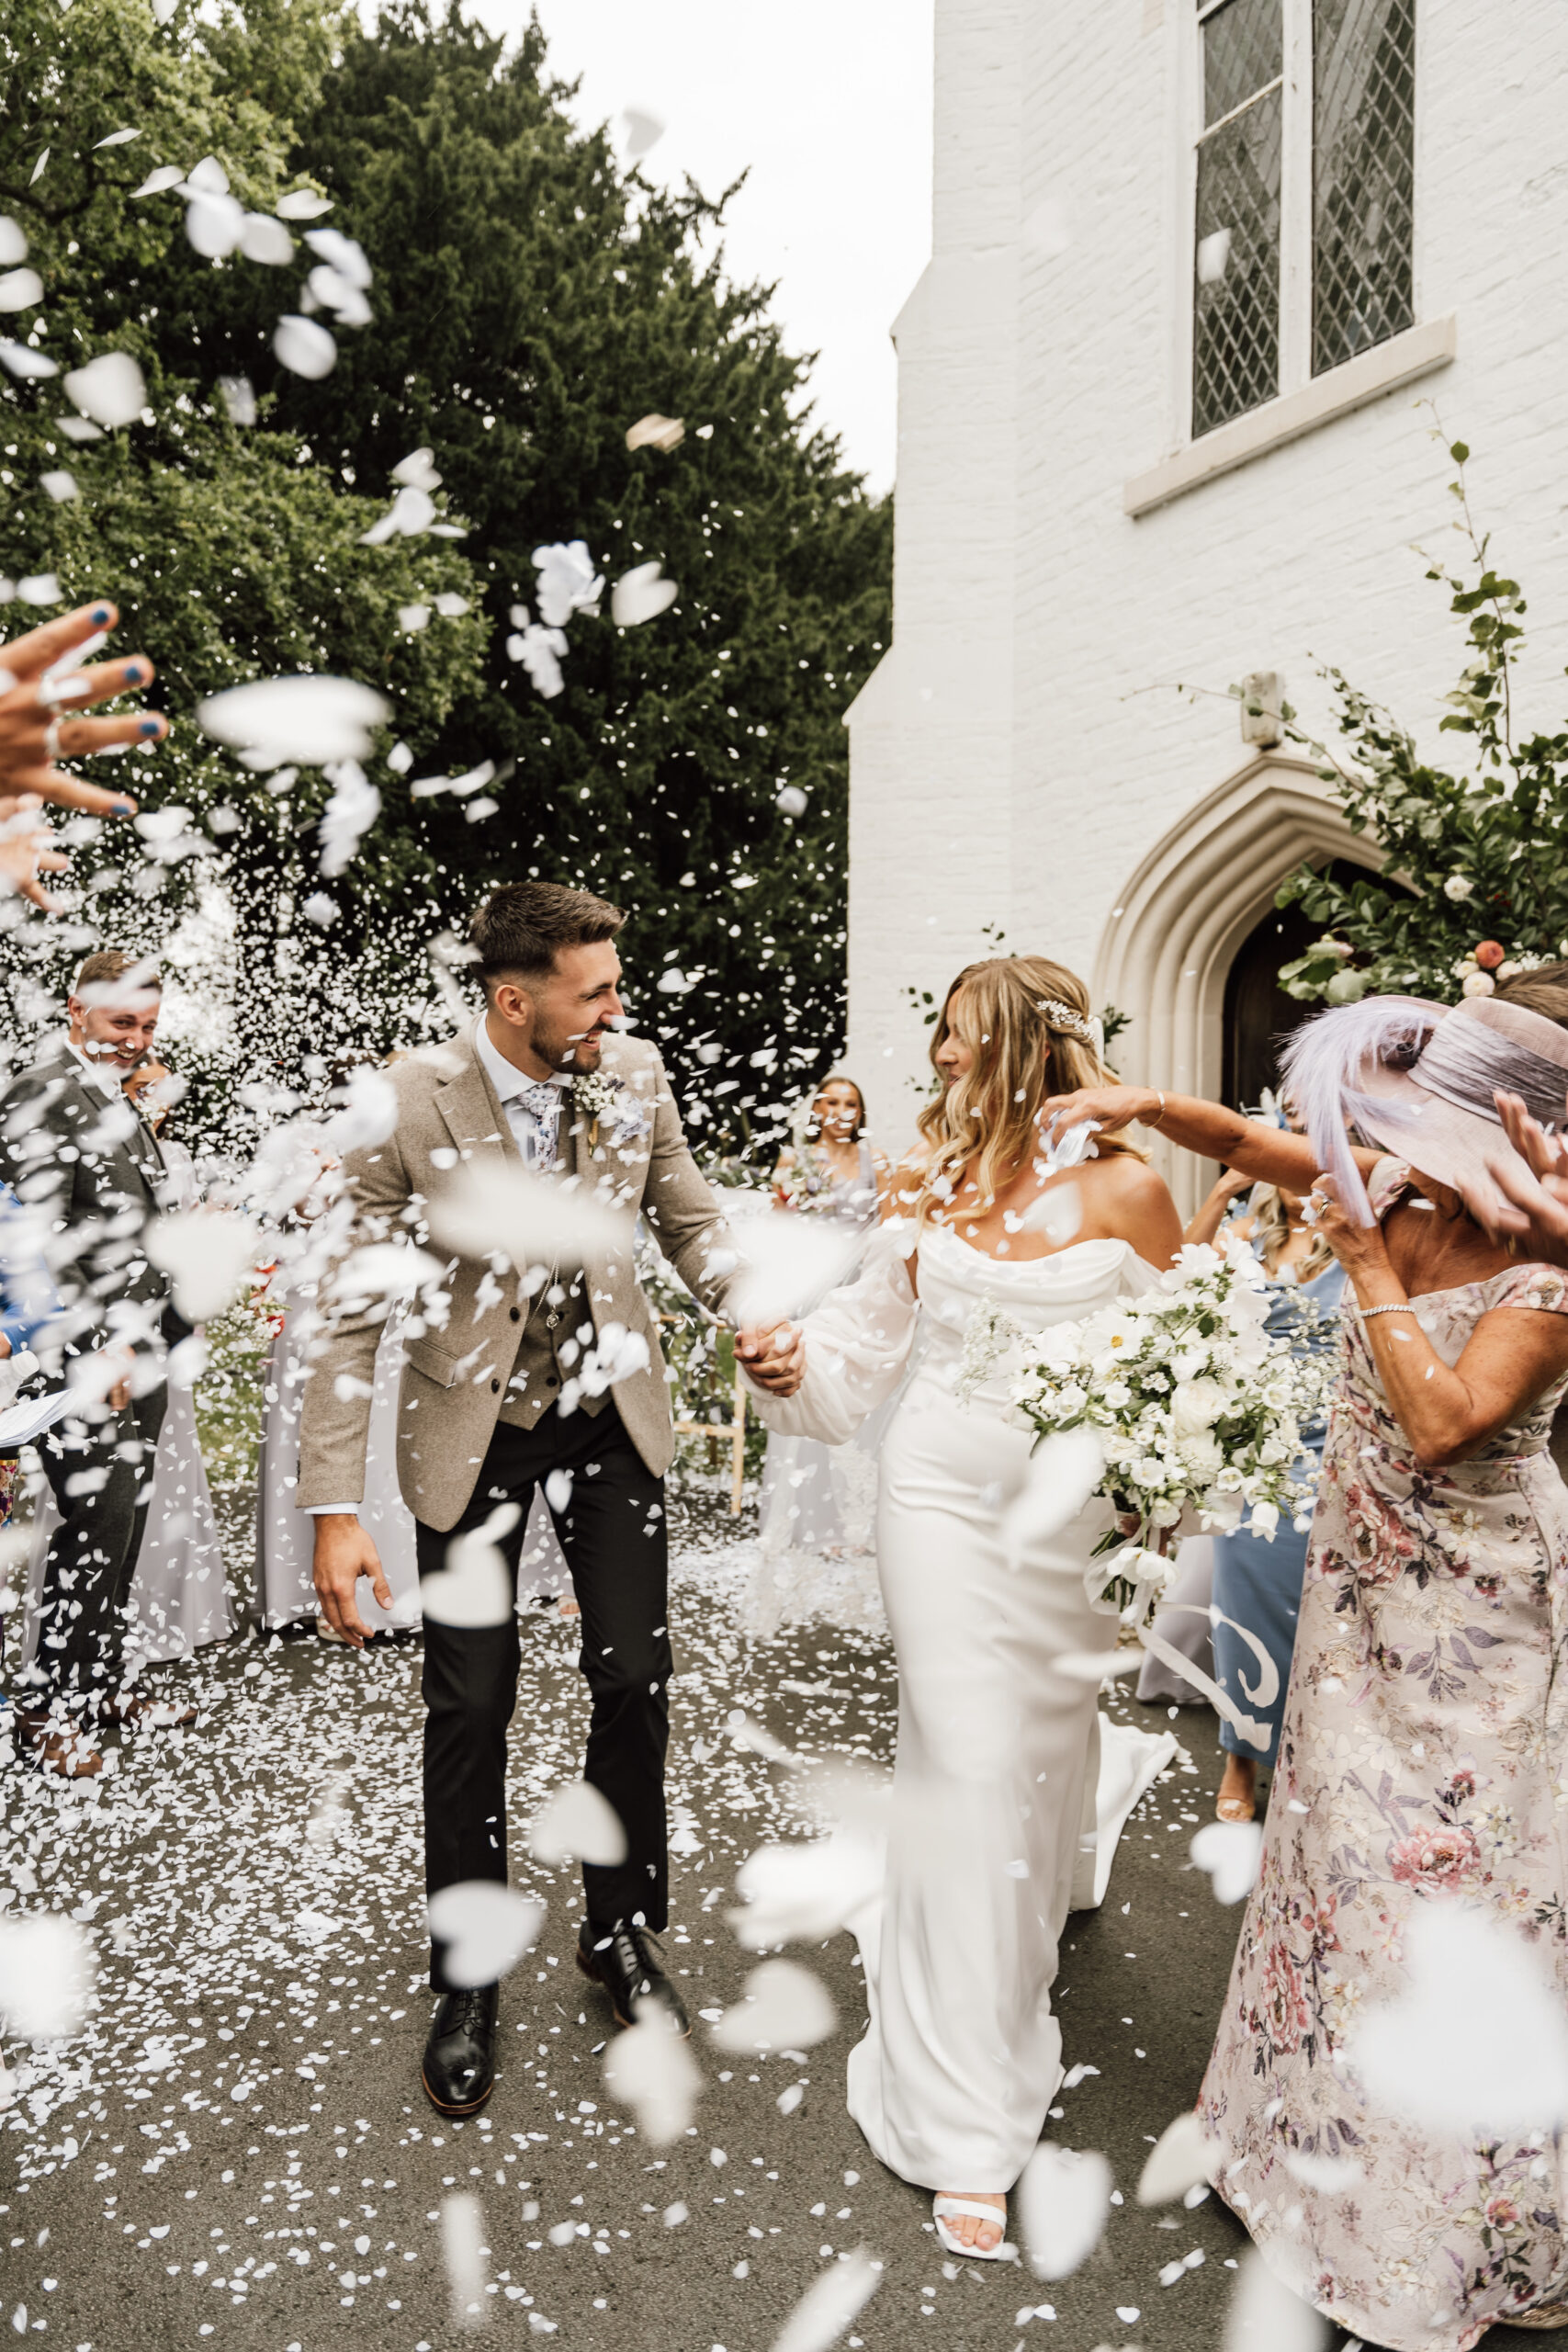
(828, 102)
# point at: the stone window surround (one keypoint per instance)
(1304, 402)
(1384, 369)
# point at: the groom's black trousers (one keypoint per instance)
(613, 1532)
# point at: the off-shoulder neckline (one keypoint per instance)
(1030, 1265)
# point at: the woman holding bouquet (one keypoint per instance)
(995, 1746)
(1427, 1710)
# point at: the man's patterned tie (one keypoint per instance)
(545, 1103)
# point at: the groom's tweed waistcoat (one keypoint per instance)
(556, 1321)
(458, 1382)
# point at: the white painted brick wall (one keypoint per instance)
(1022, 747)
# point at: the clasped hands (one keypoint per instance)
(775, 1357)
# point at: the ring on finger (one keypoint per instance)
(51, 740)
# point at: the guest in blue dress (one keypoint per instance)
(1258, 1583)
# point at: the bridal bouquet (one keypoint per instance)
(1191, 1403)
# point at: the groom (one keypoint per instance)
(494, 1404)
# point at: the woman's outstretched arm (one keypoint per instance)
(1269, 1153)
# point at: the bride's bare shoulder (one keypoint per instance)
(1133, 1200)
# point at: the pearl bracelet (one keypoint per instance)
(1404, 1308)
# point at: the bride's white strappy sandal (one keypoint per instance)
(975, 2212)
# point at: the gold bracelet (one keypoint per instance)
(1154, 1123)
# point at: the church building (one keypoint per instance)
(1214, 283)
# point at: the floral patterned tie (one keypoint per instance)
(544, 1102)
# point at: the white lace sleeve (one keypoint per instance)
(857, 1343)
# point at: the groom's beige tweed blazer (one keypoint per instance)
(454, 1379)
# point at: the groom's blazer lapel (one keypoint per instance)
(472, 1114)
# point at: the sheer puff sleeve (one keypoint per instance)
(857, 1344)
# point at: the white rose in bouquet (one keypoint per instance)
(1196, 1406)
(1203, 1454)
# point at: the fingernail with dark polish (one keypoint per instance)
(133, 673)
(151, 726)
(99, 614)
(122, 808)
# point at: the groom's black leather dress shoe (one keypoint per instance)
(629, 1965)
(458, 2073)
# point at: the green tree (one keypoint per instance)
(1483, 851)
(231, 553)
(531, 300)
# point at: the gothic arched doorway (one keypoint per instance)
(1258, 1015)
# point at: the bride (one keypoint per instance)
(996, 1750)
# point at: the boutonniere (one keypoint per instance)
(598, 1096)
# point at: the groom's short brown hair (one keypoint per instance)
(520, 928)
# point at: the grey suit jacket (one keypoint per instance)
(93, 1166)
(454, 1379)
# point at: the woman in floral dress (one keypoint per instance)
(1427, 1703)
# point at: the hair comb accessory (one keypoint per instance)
(1068, 1019)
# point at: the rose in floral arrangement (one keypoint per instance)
(1285, 2015)
(1436, 1860)
(1194, 1406)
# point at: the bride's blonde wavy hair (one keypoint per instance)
(1027, 1023)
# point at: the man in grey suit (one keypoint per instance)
(75, 1152)
(510, 1394)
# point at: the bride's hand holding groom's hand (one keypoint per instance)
(774, 1358)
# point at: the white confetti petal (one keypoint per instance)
(652, 2071)
(486, 1929)
(791, 801)
(462, 2249)
(60, 485)
(1181, 2158)
(417, 470)
(782, 2004)
(313, 719)
(304, 346)
(117, 139)
(641, 595)
(474, 1586)
(20, 290)
(238, 395)
(46, 1976)
(12, 241)
(643, 131)
(577, 1823)
(22, 361)
(166, 176)
(829, 2304)
(111, 388)
(263, 239)
(1265, 2316)
(214, 224)
(303, 204)
(487, 1209)
(1064, 2202)
(211, 1254)
(1508, 2071)
(1230, 1851)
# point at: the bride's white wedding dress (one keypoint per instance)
(1010, 1790)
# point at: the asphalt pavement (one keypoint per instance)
(236, 2149)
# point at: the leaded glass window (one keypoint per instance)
(1236, 342)
(1363, 175)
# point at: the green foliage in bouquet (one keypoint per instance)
(1482, 853)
